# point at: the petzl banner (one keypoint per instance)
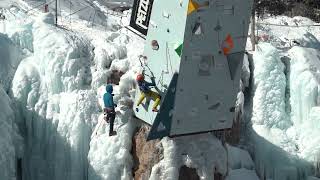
(141, 12)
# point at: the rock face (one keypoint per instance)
(233, 135)
(115, 77)
(148, 154)
(145, 154)
(187, 173)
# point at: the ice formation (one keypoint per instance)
(269, 88)
(285, 78)
(11, 147)
(305, 99)
(55, 102)
(57, 90)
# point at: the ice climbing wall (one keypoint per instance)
(211, 61)
(204, 41)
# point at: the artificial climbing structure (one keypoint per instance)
(194, 49)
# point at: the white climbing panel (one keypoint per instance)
(168, 20)
(204, 42)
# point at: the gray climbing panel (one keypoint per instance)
(204, 42)
(162, 124)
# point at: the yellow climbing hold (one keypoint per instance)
(192, 6)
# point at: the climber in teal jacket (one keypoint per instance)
(109, 111)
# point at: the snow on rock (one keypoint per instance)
(22, 36)
(46, 18)
(269, 88)
(203, 155)
(304, 38)
(64, 60)
(238, 159)
(294, 31)
(245, 74)
(109, 58)
(204, 152)
(240, 164)
(110, 157)
(18, 27)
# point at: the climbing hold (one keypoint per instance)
(154, 44)
(165, 14)
(193, 6)
(227, 45)
(153, 24)
(218, 27)
(181, 3)
(179, 50)
(197, 29)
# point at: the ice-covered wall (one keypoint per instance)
(57, 109)
(305, 100)
(10, 140)
(275, 150)
(10, 59)
(58, 88)
(110, 157)
(285, 100)
(7, 138)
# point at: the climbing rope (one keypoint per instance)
(144, 65)
(77, 11)
(39, 6)
(283, 25)
(161, 79)
(167, 58)
(168, 61)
